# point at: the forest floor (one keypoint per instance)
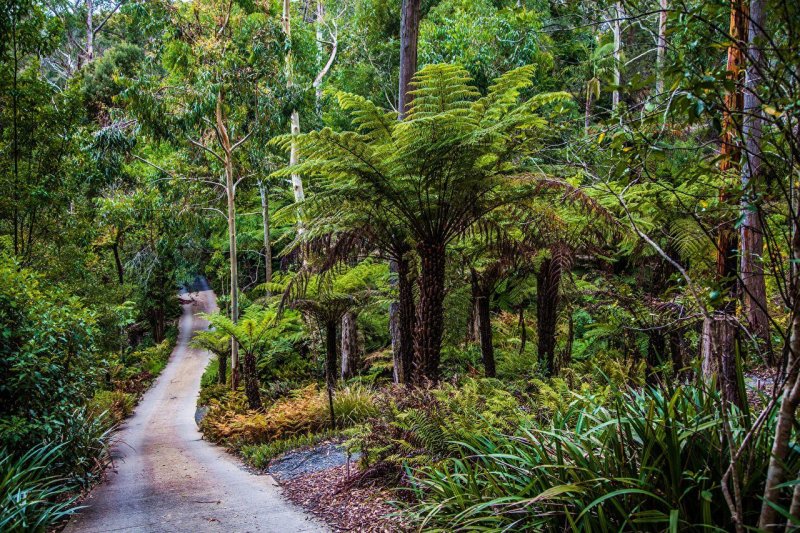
(320, 479)
(165, 477)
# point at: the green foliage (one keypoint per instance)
(649, 460)
(303, 411)
(422, 426)
(116, 404)
(31, 497)
(48, 361)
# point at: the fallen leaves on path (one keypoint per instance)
(327, 495)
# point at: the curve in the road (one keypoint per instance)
(166, 478)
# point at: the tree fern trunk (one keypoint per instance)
(222, 368)
(548, 280)
(330, 365)
(406, 318)
(485, 325)
(251, 381)
(430, 311)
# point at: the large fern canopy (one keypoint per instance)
(440, 168)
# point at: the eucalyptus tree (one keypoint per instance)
(212, 94)
(451, 160)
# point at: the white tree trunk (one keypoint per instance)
(617, 55)
(661, 50)
(262, 189)
(297, 182)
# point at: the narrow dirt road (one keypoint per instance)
(166, 478)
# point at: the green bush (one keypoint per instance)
(652, 460)
(353, 404)
(31, 498)
(49, 370)
(117, 404)
(423, 425)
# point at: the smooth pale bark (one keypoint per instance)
(262, 189)
(297, 182)
(409, 39)
(334, 43)
(617, 56)
(751, 234)
(661, 46)
(350, 350)
(430, 310)
(92, 29)
(89, 52)
(723, 328)
(230, 191)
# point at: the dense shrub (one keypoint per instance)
(422, 425)
(31, 498)
(305, 411)
(652, 460)
(49, 370)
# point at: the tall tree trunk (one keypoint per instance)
(487, 348)
(88, 54)
(587, 112)
(430, 311)
(661, 50)
(719, 330)
(409, 38)
(399, 321)
(262, 189)
(548, 281)
(350, 352)
(234, 260)
(15, 126)
(330, 365)
(523, 330)
(297, 182)
(617, 55)
(334, 42)
(752, 240)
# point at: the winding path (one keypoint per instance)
(166, 478)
